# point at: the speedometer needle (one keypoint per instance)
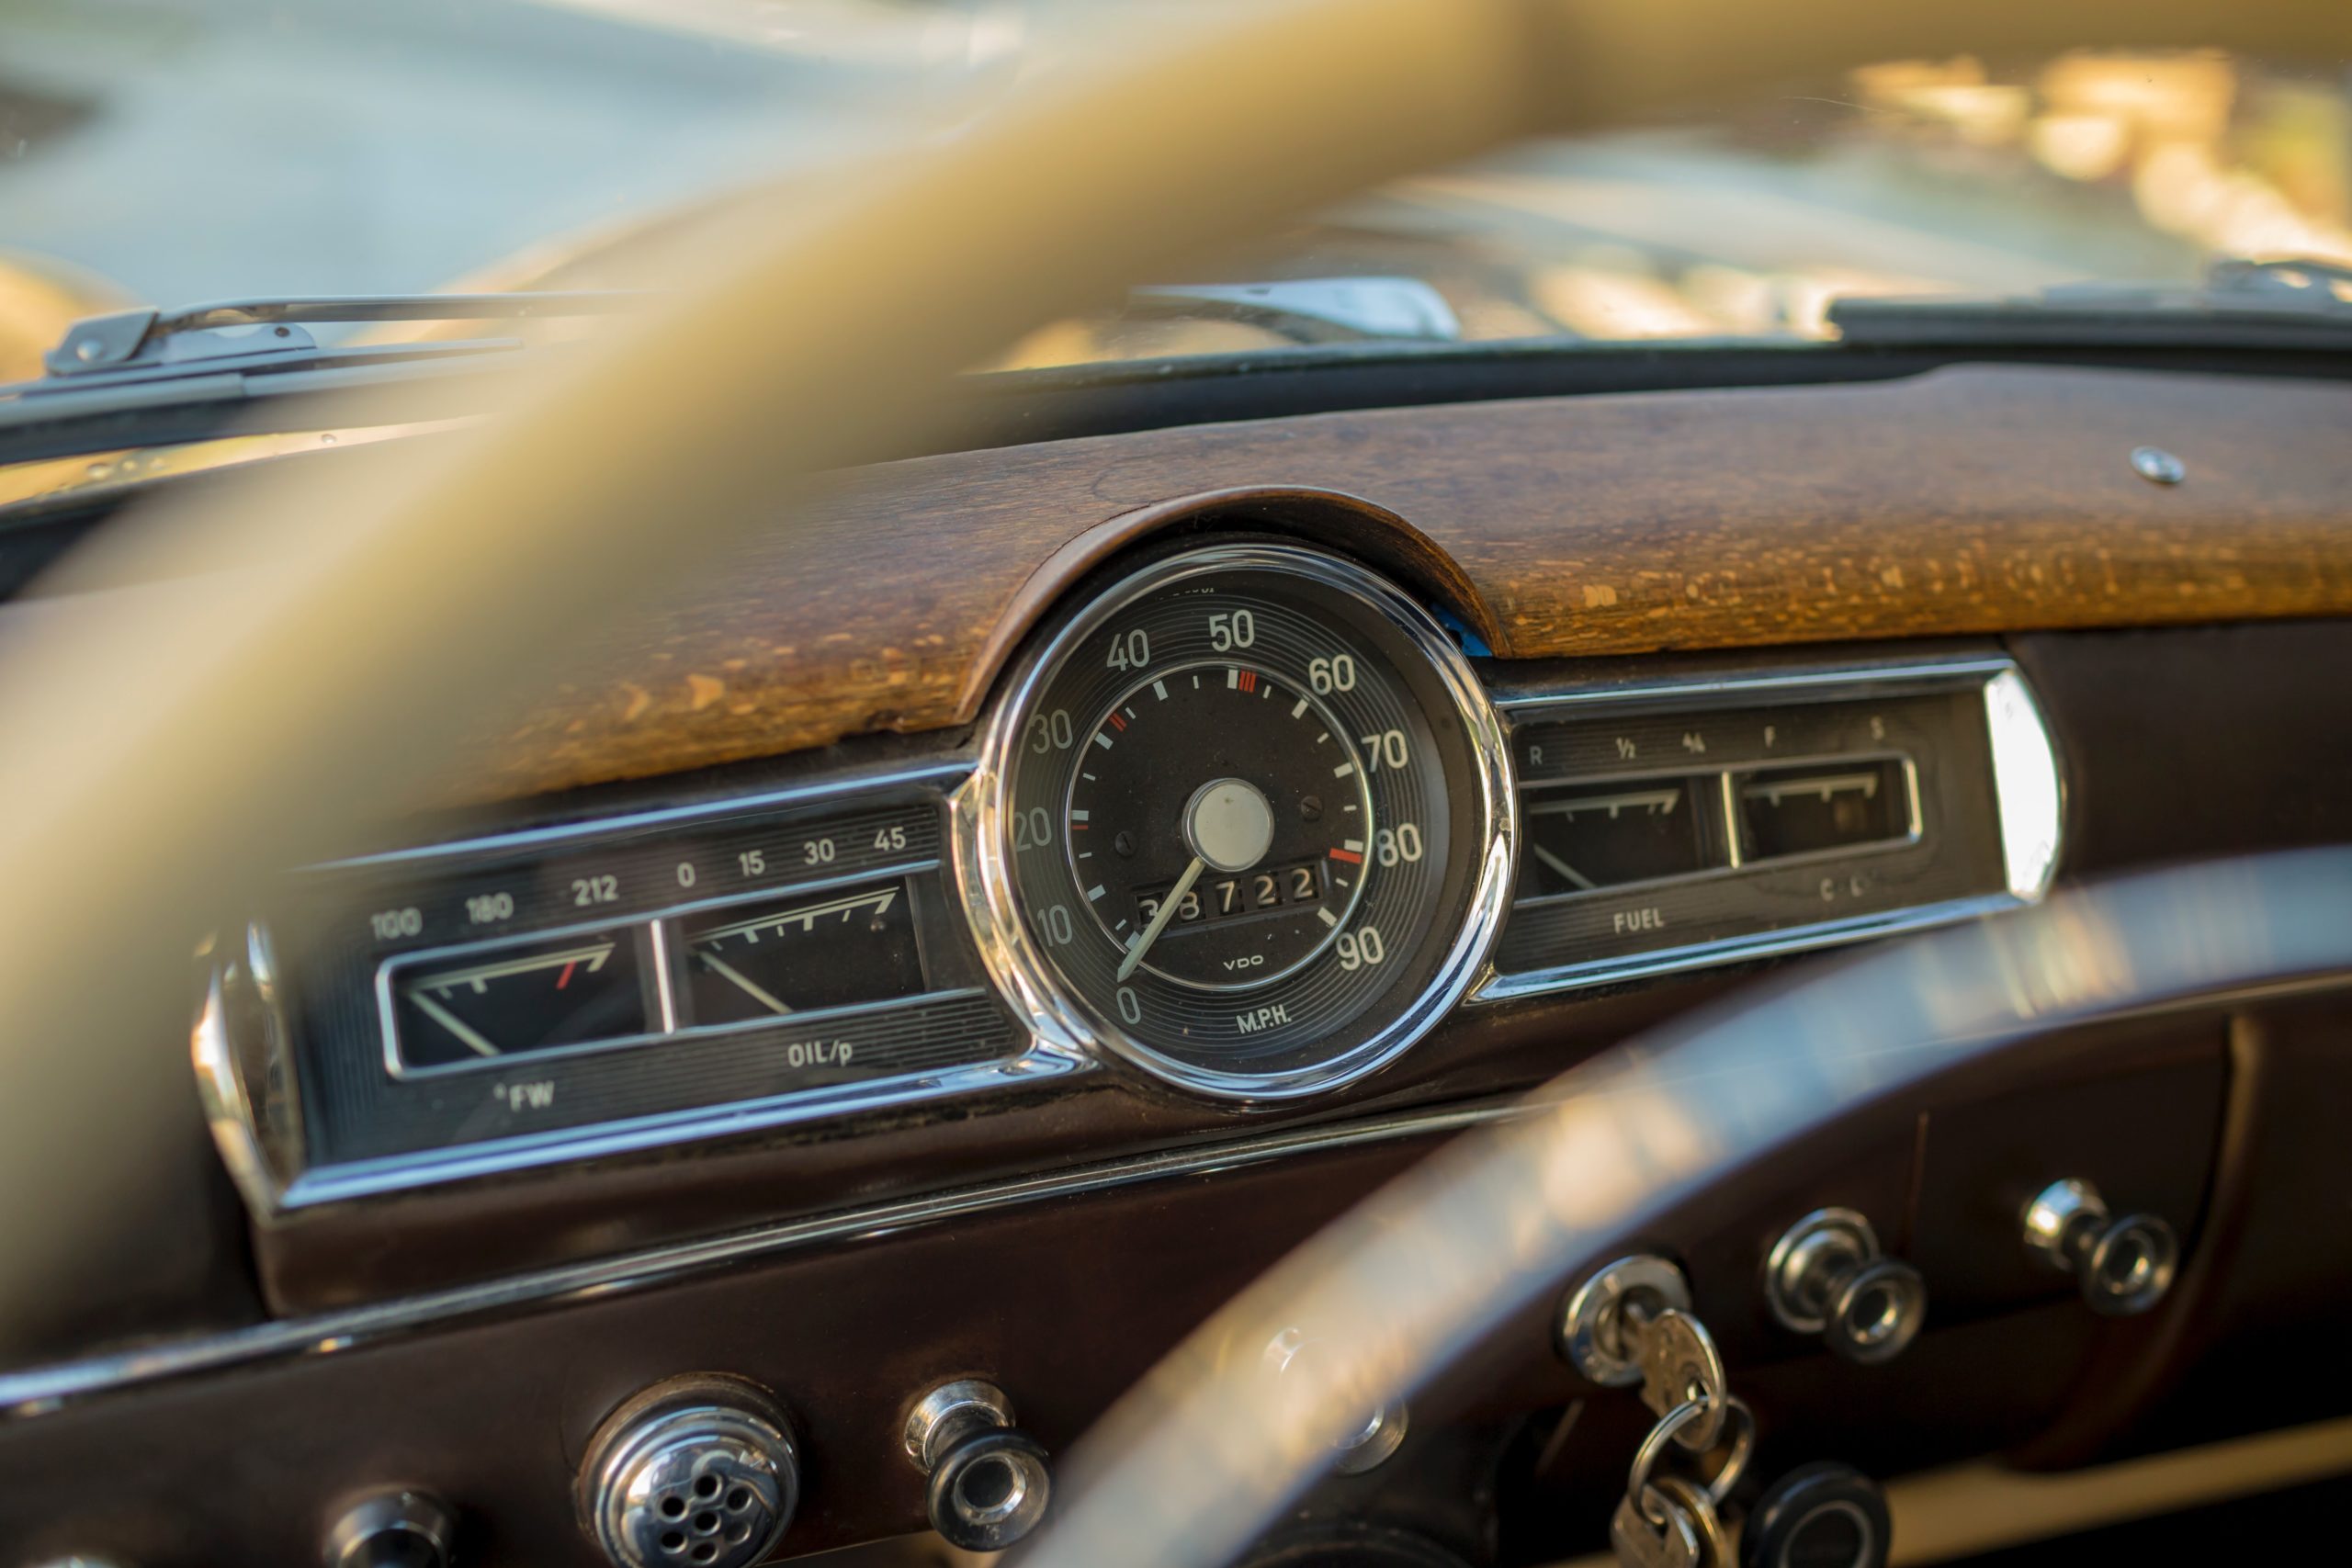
(1160, 921)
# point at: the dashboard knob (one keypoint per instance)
(1827, 1276)
(991, 1482)
(393, 1529)
(1367, 1445)
(2125, 1265)
(1822, 1514)
(699, 1472)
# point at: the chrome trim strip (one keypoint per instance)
(40, 1390)
(1824, 683)
(665, 978)
(366, 1179)
(942, 776)
(1733, 852)
(1737, 949)
(1062, 1021)
(220, 1091)
(2028, 783)
(2026, 778)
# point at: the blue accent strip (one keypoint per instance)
(1470, 642)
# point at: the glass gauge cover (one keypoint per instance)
(1245, 822)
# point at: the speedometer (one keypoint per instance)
(1244, 821)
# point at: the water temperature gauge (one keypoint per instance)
(540, 997)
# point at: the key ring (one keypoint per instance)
(1646, 1458)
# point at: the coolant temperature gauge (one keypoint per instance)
(571, 991)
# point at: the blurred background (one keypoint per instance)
(168, 151)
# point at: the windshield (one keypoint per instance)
(171, 151)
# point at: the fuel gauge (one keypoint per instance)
(1582, 837)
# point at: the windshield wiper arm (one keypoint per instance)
(271, 334)
(2241, 304)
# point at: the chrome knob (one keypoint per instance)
(695, 1472)
(392, 1529)
(991, 1482)
(1827, 1276)
(1374, 1433)
(2124, 1266)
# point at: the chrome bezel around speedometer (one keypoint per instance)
(1475, 768)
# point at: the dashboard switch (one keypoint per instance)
(1370, 1440)
(1827, 1275)
(991, 1482)
(392, 1529)
(1822, 1514)
(699, 1472)
(2124, 1266)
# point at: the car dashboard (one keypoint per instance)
(972, 943)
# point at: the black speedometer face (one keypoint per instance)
(1248, 818)
(1220, 826)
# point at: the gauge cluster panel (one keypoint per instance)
(1244, 822)
(491, 1002)
(1663, 828)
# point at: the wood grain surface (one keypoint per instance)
(1971, 500)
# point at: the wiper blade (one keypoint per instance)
(2241, 304)
(272, 334)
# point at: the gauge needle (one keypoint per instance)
(1563, 867)
(1168, 906)
(458, 1026)
(743, 982)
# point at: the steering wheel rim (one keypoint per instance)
(274, 719)
(1201, 1457)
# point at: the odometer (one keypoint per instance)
(1244, 821)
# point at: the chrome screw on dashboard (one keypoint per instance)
(699, 1472)
(393, 1529)
(1827, 1275)
(991, 1482)
(2124, 1266)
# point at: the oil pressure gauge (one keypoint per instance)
(1245, 822)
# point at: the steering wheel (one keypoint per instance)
(162, 748)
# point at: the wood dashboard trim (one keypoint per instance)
(1967, 500)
